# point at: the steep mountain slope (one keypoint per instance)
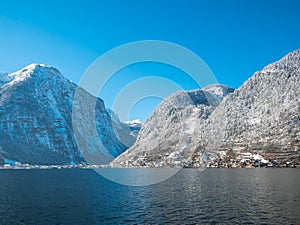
(169, 130)
(262, 115)
(36, 119)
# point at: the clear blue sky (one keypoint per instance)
(235, 38)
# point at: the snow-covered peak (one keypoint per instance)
(211, 95)
(34, 67)
(21, 75)
(219, 90)
(185, 98)
(289, 62)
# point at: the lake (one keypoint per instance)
(78, 196)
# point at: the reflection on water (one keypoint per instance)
(77, 196)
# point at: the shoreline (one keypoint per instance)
(106, 167)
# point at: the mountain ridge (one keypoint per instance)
(263, 115)
(35, 119)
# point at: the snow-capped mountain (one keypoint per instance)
(36, 119)
(135, 127)
(263, 116)
(171, 126)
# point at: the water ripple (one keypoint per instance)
(215, 196)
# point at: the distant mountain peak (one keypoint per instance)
(133, 122)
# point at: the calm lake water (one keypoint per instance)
(76, 196)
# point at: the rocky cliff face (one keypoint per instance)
(170, 129)
(36, 119)
(262, 116)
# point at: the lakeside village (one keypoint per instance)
(175, 160)
(222, 159)
(244, 160)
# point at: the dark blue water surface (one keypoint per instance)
(77, 196)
